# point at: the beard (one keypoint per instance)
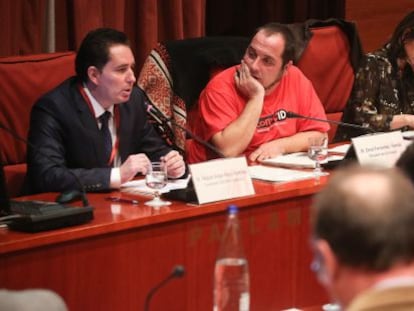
(275, 81)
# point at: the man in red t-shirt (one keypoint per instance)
(239, 107)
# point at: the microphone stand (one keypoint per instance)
(177, 272)
(292, 115)
(163, 121)
(198, 139)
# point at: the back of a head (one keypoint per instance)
(94, 49)
(406, 160)
(366, 216)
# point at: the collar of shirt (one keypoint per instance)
(395, 282)
(97, 108)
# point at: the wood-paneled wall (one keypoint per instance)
(376, 19)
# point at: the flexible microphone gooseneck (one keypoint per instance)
(163, 121)
(292, 115)
(85, 201)
(177, 272)
(198, 139)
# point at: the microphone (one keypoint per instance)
(177, 272)
(73, 193)
(165, 122)
(350, 155)
(284, 114)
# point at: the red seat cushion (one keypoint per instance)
(23, 80)
(326, 62)
(15, 175)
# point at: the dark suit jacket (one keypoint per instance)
(65, 140)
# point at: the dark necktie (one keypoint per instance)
(106, 134)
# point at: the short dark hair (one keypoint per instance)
(372, 231)
(94, 50)
(277, 28)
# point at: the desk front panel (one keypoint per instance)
(110, 269)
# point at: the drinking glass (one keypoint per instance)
(318, 151)
(156, 178)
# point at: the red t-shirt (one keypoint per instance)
(220, 104)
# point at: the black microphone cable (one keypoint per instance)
(293, 115)
(198, 139)
(9, 218)
(177, 272)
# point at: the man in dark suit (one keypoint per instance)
(363, 239)
(94, 125)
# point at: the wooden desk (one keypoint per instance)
(113, 261)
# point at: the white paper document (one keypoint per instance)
(408, 134)
(278, 174)
(297, 160)
(138, 186)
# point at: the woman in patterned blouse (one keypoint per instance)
(383, 93)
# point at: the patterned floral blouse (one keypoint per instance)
(381, 90)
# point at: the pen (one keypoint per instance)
(122, 200)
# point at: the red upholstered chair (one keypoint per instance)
(326, 62)
(23, 80)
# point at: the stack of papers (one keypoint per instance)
(298, 160)
(278, 174)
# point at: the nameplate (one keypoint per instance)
(379, 149)
(221, 179)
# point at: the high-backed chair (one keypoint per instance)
(175, 73)
(330, 60)
(23, 80)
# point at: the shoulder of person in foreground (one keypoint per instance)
(31, 300)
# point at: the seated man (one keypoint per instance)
(94, 125)
(363, 239)
(240, 108)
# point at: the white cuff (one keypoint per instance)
(115, 181)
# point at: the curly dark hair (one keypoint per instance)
(396, 43)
